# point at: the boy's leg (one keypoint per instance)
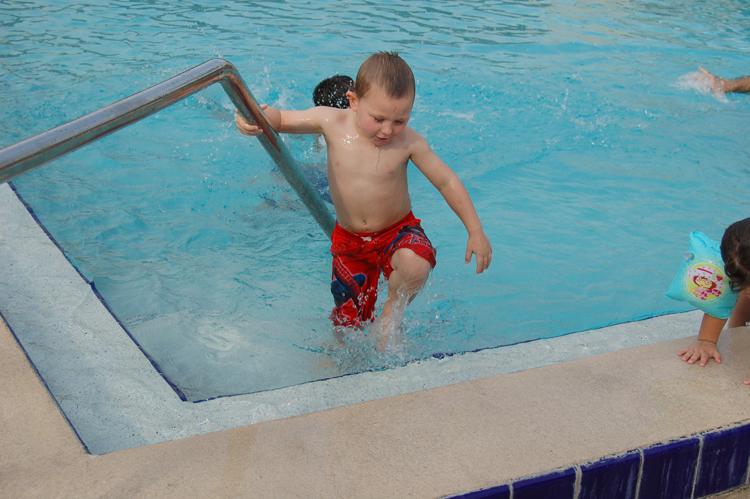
(354, 286)
(354, 280)
(409, 275)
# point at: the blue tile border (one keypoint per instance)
(554, 485)
(669, 469)
(724, 460)
(613, 477)
(499, 492)
(688, 468)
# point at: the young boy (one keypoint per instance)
(735, 251)
(369, 147)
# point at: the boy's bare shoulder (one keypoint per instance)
(328, 111)
(330, 114)
(317, 112)
(414, 140)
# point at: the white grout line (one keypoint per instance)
(579, 477)
(697, 465)
(640, 473)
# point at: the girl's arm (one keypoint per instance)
(708, 335)
(741, 313)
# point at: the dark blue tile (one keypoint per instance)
(724, 460)
(669, 470)
(613, 477)
(555, 485)
(499, 492)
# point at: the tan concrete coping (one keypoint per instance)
(427, 444)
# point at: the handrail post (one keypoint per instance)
(31, 153)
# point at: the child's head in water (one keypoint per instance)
(331, 92)
(735, 251)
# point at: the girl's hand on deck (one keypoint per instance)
(247, 128)
(701, 350)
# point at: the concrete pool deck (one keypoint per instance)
(477, 424)
(433, 443)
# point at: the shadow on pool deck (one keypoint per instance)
(433, 443)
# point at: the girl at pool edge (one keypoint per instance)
(369, 147)
(735, 251)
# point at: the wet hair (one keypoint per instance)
(387, 71)
(331, 92)
(735, 251)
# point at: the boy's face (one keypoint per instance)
(381, 118)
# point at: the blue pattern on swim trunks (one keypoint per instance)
(342, 292)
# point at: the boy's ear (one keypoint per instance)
(352, 100)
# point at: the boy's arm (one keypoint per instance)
(457, 197)
(308, 121)
(705, 347)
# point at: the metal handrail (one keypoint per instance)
(31, 153)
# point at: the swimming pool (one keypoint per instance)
(587, 154)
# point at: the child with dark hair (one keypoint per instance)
(369, 148)
(735, 251)
(331, 92)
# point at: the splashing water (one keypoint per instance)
(699, 82)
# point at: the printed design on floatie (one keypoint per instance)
(705, 281)
(701, 279)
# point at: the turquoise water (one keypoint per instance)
(588, 150)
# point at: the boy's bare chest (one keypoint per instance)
(368, 163)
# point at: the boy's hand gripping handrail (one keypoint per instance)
(26, 155)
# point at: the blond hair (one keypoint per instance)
(387, 71)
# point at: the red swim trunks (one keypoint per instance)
(358, 259)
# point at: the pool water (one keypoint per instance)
(589, 149)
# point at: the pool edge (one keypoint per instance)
(434, 443)
(116, 400)
(475, 436)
